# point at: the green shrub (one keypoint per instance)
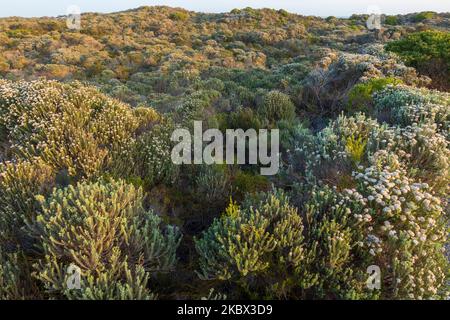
(408, 230)
(360, 97)
(19, 183)
(179, 16)
(258, 247)
(429, 52)
(103, 229)
(79, 171)
(213, 185)
(427, 114)
(247, 183)
(277, 106)
(424, 16)
(391, 20)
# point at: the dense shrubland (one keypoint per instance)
(86, 177)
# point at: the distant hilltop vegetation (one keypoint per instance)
(137, 55)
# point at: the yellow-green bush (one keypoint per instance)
(355, 148)
(407, 230)
(258, 247)
(360, 97)
(103, 229)
(19, 183)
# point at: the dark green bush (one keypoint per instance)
(391, 20)
(424, 16)
(277, 106)
(429, 52)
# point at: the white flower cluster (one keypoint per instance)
(429, 113)
(414, 106)
(70, 126)
(406, 226)
(155, 156)
(423, 150)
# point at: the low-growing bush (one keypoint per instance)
(360, 96)
(258, 247)
(102, 229)
(15, 277)
(429, 52)
(391, 20)
(19, 183)
(70, 126)
(277, 106)
(424, 16)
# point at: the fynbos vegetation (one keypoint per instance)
(88, 188)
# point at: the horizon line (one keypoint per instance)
(215, 12)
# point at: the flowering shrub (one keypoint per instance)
(421, 148)
(360, 96)
(424, 152)
(213, 184)
(70, 127)
(146, 117)
(153, 156)
(355, 147)
(407, 105)
(407, 229)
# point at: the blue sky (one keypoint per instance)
(34, 8)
